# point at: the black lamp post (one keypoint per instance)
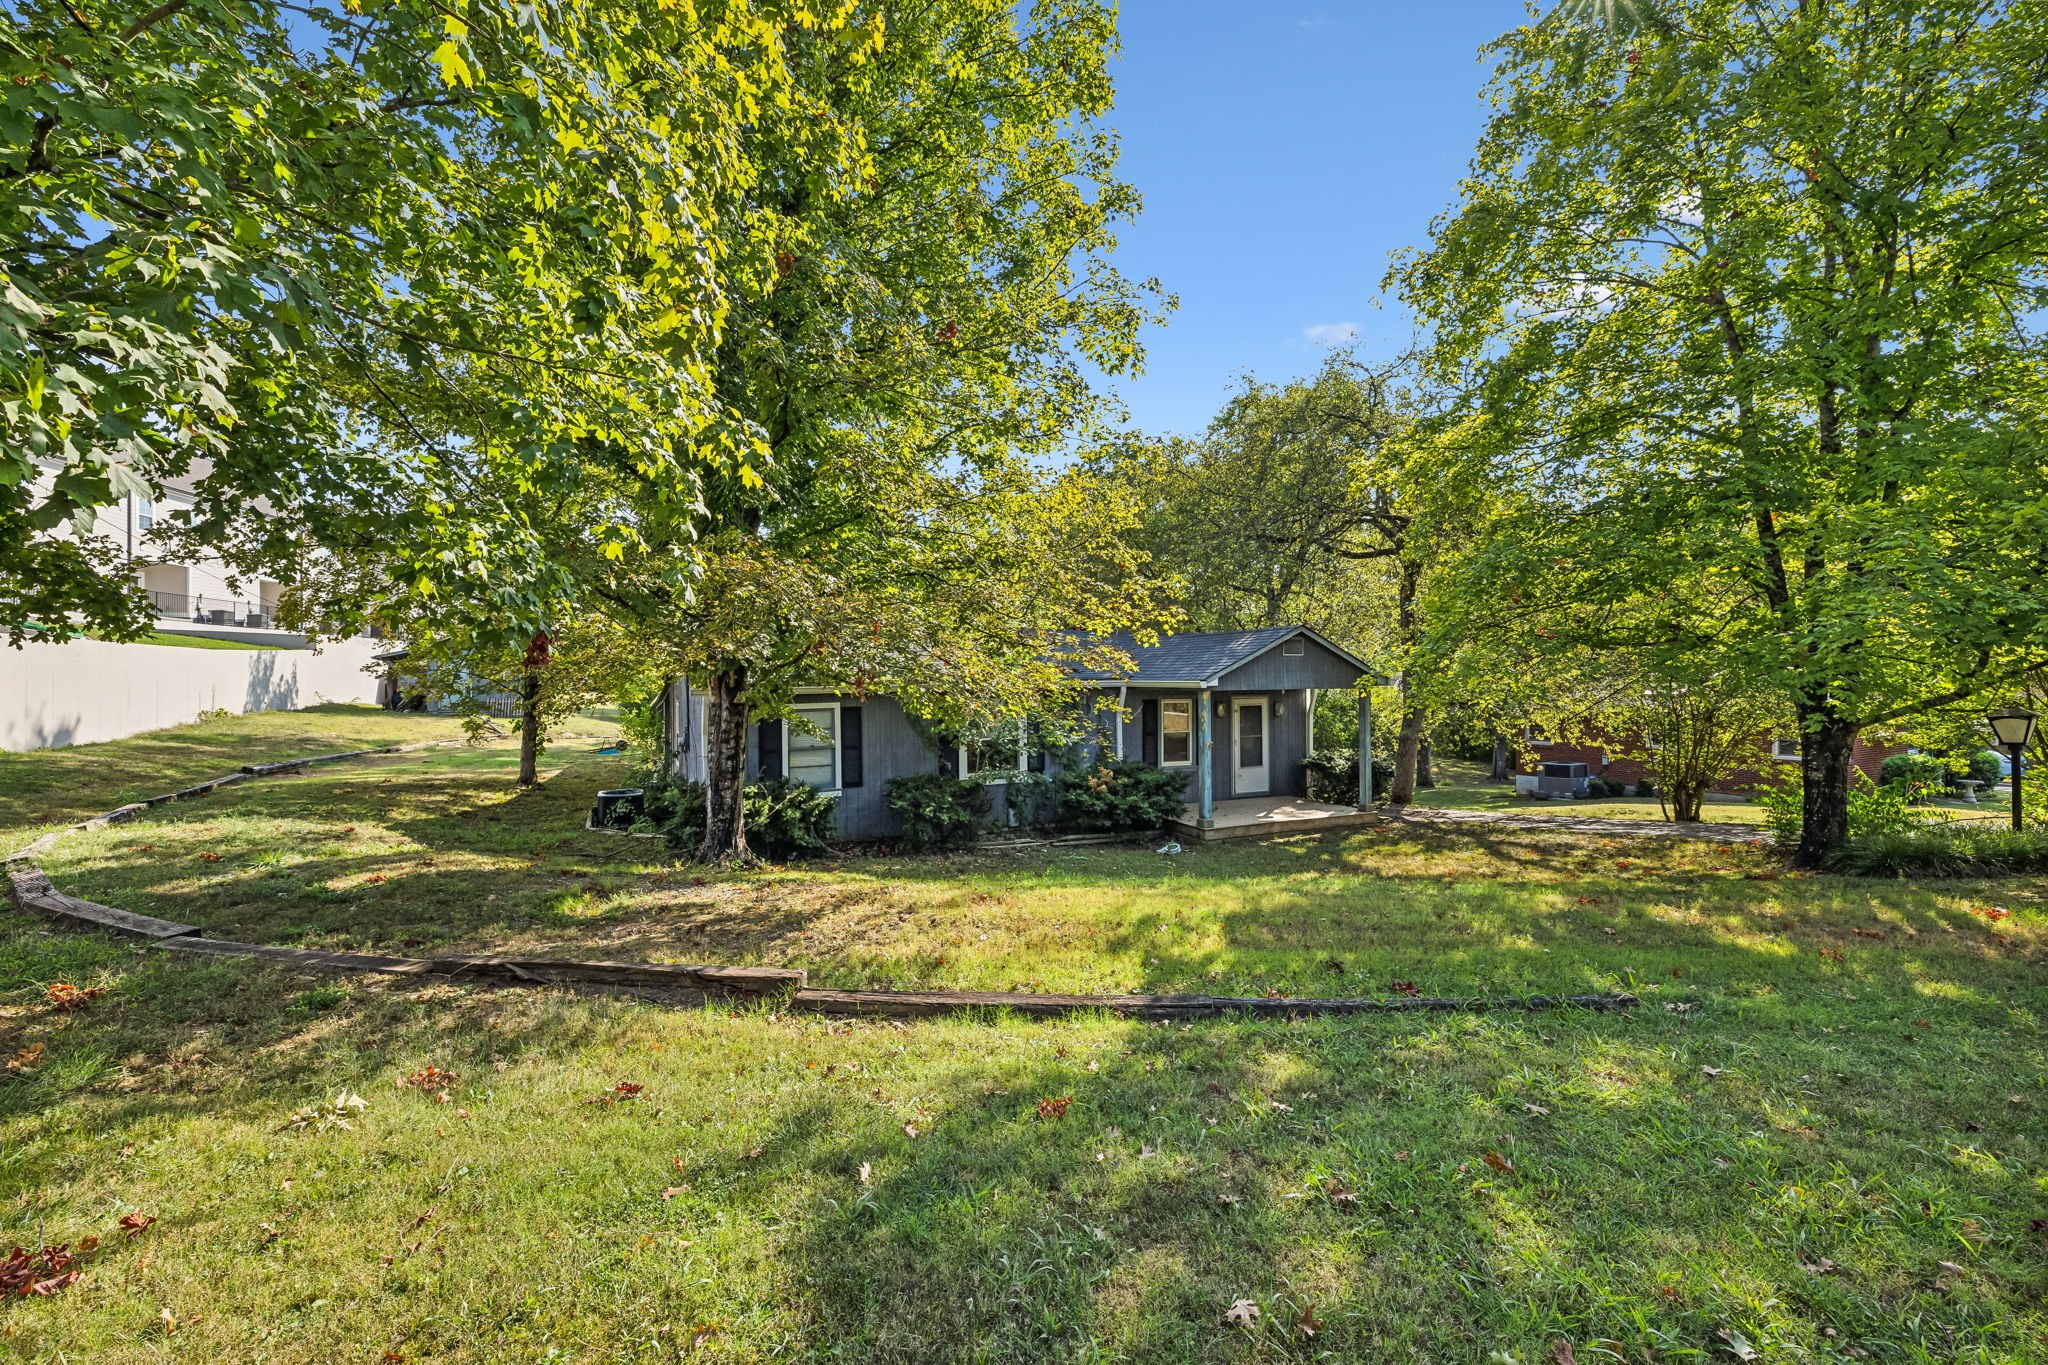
(2013, 728)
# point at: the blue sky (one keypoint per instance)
(1284, 150)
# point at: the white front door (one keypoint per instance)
(1248, 743)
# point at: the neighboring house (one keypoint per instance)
(1774, 758)
(1232, 709)
(191, 594)
(83, 690)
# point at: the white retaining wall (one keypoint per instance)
(89, 690)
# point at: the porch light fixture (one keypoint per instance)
(2013, 728)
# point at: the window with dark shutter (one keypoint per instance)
(770, 763)
(949, 755)
(1034, 750)
(851, 765)
(1148, 731)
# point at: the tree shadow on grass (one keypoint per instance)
(1355, 1188)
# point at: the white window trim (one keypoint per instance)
(838, 740)
(1529, 738)
(1778, 750)
(1023, 759)
(1191, 704)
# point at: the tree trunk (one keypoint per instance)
(1409, 752)
(1408, 755)
(1425, 766)
(1686, 797)
(1826, 770)
(725, 768)
(1503, 769)
(529, 730)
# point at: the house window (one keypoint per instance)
(1295, 648)
(1001, 754)
(145, 514)
(813, 758)
(1785, 750)
(1533, 736)
(1176, 734)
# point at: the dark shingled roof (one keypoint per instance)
(1201, 656)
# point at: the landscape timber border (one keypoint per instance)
(788, 988)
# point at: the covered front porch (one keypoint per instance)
(1255, 817)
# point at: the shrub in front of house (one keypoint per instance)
(936, 811)
(1333, 776)
(1919, 773)
(1033, 800)
(1119, 796)
(784, 820)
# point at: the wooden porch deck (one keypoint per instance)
(1255, 817)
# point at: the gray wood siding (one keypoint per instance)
(891, 748)
(1286, 745)
(1272, 671)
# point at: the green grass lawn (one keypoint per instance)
(1821, 1137)
(1465, 786)
(174, 641)
(48, 787)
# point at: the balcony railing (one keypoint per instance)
(211, 610)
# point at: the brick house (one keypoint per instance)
(1775, 756)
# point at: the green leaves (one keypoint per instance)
(1744, 407)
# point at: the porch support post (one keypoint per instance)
(1205, 780)
(1365, 744)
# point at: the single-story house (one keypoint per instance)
(1233, 709)
(1600, 754)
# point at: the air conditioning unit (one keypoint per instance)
(1563, 779)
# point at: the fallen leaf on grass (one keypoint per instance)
(624, 1090)
(133, 1223)
(433, 1078)
(866, 1172)
(63, 995)
(1499, 1163)
(1561, 1353)
(1819, 1265)
(27, 1059)
(1243, 1313)
(701, 1335)
(672, 1191)
(1831, 954)
(41, 1272)
(1054, 1108)
(215, 857)
(1738, 1345)
(910, 1130)
(334, 1114)
(1712, 1070)
(1308, 1322)
(1400, 987)
(1868, 933)
(1538, 1110)
(1338, 1194)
